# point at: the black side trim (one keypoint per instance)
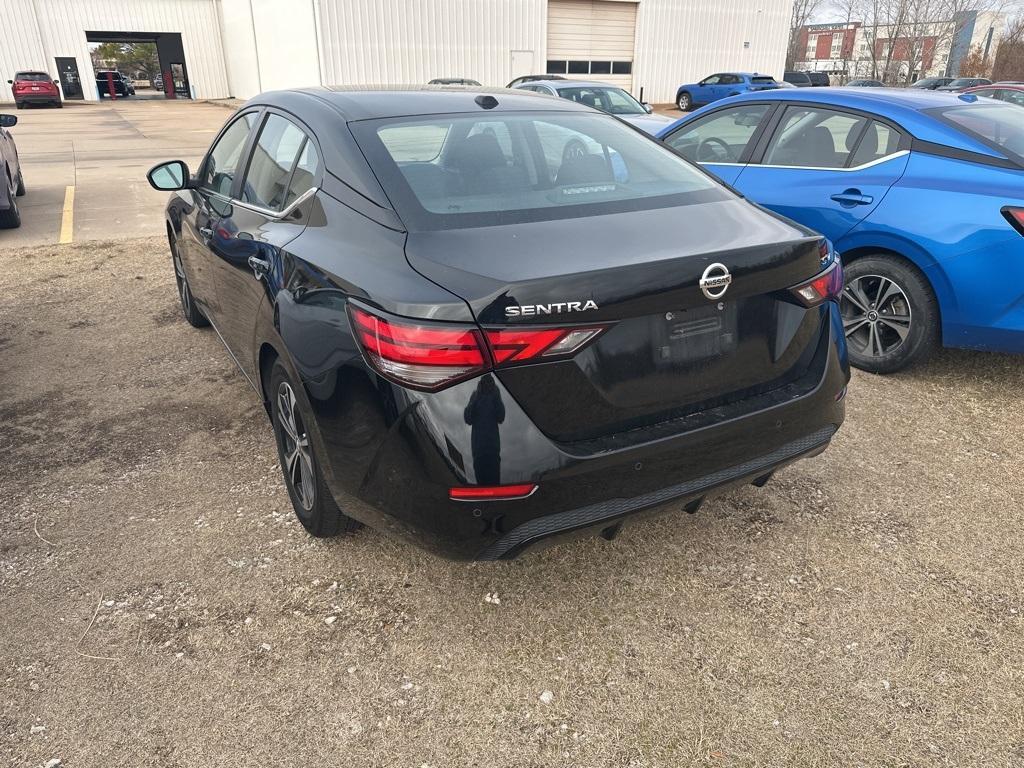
(584, 517)
(940, 150)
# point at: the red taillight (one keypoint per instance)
(491, 492)
(433, 355)
(419, 355)
(827, 285)
(1016, 217)
(519, 345)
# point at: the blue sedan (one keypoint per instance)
(921, 192)
(721, 86)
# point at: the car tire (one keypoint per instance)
(10, 218)
(684, 101)
(20, 189)
(311, 498)
(890, 314)
(189, 309)
(20, 104)
(59, 104)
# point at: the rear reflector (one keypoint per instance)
(827, 285)
(421, 356)
(492, 492)
(1016, 217)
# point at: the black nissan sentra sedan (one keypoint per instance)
(482, 320)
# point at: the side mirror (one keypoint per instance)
(11, 82)
(8, 121)
(56, 82)
(170, 176)
(647, 107)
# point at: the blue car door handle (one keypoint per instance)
(851, 197)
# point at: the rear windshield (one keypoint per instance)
(762, 79)
(996, 123)
(455, 171)
(35, 77)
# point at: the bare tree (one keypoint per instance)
(803, 10)
(1009, 58)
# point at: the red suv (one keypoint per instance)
(35, 88)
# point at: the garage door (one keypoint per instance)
(592, 40)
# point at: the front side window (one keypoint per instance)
(809, 137)
(720, 137)
(222, 162)
(713, 80)
(273, 159)
(519, 167)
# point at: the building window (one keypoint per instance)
(579, 67)
(600, 67)
(557, 67)
(622, 67)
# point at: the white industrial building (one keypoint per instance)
(220, 48)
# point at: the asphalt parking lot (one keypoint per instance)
(162, 607)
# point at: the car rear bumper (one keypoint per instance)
(36, 98)
(393, 455)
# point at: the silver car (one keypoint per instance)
(607, 98)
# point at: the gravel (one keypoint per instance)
(161, 606)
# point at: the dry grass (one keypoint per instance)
(865, 608)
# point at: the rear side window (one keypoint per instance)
(720, 137)
(814, 138)
(879, 141)
(995, 122)
(222, 162)
(273, 160)
(305, 173)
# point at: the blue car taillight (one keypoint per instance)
(824, 286)
(1016, 218)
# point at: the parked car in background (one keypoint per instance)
(453, 81)
(921, 192)
(12, 182)
(32, 87)
(530, 78)
(819, 79)
(469, 326)
(721, 86)
(1009, 92)
(607, 98)
(931, 83)
(799, 79)
(123, 85)
(963, 83)
(865, 84)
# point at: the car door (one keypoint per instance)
(708, 90)
(282, 172)
(723, 140)
(825, 168)
(211, 198)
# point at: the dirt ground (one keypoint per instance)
(159, 605)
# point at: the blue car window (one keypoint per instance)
(720, 137)
(810, 137)
(879, 141)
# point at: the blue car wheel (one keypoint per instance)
(890, 315)
(684, 101)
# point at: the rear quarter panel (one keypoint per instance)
(945, 215)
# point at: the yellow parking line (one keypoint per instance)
(67, 220)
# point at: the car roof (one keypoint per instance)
(370, 102)
(904, 106)
(557, 84)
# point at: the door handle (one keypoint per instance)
(206, 232)
(260, 267)
(851, 197)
